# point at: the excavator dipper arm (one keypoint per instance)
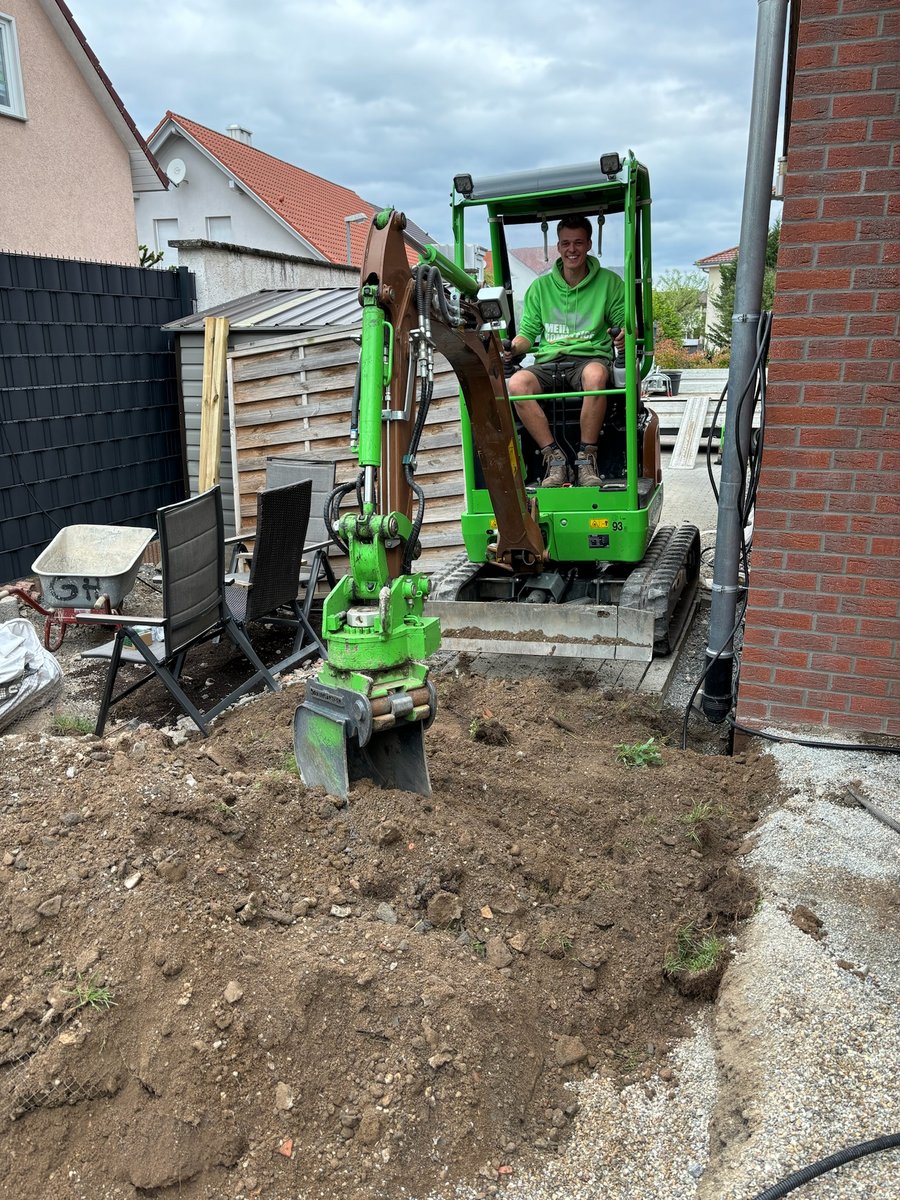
(476, 360)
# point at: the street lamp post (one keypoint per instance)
(352, 220)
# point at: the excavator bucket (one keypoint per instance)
(340, 738)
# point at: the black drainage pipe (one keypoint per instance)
(805, 1174)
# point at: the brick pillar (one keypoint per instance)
(822, 635)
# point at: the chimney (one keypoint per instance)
(240, 134)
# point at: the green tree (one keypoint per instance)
(678, 305)
(667, 318)
(723, 301)
(148, 257)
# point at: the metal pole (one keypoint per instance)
(348, 221)
(717, 699)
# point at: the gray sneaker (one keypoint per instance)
(586, 468)
(556, 469)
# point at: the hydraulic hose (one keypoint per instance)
(429, 285)
(354, 408)
(332, 506)
(413, 540)
(805, 1174)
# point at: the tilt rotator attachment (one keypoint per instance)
(365, 714)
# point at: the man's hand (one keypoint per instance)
(618, 337)
(510, 358)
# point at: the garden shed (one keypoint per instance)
(292, 358)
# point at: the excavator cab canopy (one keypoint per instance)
(526, 196)
(609, 186)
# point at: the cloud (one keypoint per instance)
(393, 99)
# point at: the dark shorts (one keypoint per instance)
(562, 374)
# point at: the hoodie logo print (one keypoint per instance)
(564, 324)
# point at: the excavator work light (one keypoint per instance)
(610, 165)
(464, 185)
(494, 304)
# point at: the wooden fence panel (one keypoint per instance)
(292, 395)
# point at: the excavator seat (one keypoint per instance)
(564, 415)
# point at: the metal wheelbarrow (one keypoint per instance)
(85, 568)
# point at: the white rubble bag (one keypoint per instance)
(29, 675)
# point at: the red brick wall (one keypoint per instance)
(822, 635)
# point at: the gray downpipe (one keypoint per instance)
(717, 699)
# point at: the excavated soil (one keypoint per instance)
(217, 983)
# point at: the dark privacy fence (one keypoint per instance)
(90, 425)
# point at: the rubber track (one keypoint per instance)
(665, 582)
(455, 574)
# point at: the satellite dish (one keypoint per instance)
(176, 170)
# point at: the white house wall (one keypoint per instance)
(223, 273)
(713, 287)
(204, 193)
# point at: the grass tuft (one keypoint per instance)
(61, 723)
(695, 951)
(91, 993)
(556, 945)
(701, 812)
(289, 763)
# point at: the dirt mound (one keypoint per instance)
(218, 983)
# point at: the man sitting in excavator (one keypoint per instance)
(570, 313)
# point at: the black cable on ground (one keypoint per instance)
(872, 809)
(815, 744)
(849, 1154)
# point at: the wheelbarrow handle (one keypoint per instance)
(29, 597)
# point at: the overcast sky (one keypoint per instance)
(393, 98)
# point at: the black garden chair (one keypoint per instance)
(268, 593)
(195, 611)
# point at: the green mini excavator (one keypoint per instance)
(609, 581)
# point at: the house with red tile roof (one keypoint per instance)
(225, 190)
(72, 156)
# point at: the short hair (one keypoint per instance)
(575, 222)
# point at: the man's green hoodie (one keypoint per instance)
(573, 320)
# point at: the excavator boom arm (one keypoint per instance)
(474, 355)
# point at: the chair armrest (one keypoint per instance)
(91, 618)
(250, 536)
(315, 546)
(239, 550)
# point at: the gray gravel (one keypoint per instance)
(800, 1056)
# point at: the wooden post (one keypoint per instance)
(215, 353)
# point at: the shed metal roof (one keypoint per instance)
(284, 309)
